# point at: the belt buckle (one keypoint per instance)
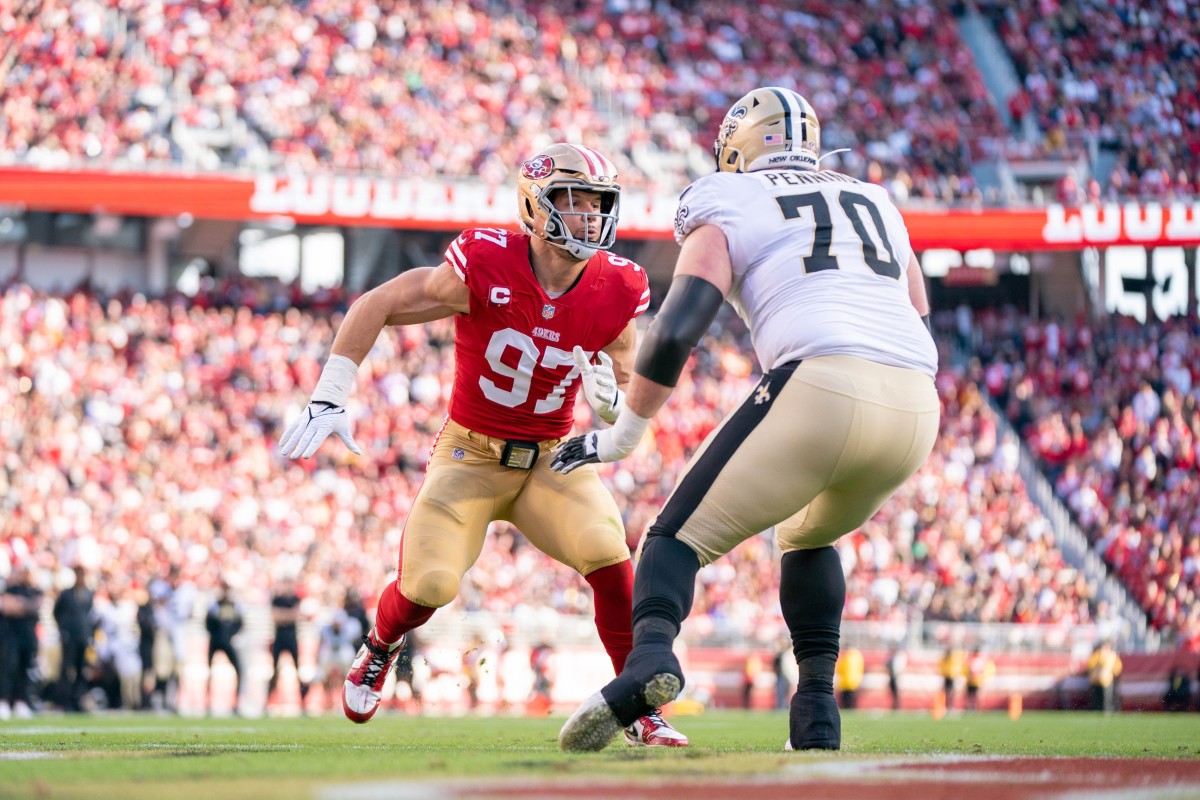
(519, 455)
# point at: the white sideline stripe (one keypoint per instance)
(32, 755)
(991, 771)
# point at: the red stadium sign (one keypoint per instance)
(440, 205)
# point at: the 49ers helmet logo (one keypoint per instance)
(538, 168)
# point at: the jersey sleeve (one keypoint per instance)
(457, 255)
(641, 290)
(701, 204)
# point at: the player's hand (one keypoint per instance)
(599, 384)
(590, 448)
(317, 421)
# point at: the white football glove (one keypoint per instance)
(599, 384)
(610, 444)
(307, 431)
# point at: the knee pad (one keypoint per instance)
(433, 589)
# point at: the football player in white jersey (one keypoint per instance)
(820, 267)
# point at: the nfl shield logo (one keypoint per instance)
(459, 454)
(548, 311)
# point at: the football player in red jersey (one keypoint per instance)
(537, 314)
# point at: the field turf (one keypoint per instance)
(134, 757)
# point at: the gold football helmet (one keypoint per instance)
(769, 128)
(567, 167)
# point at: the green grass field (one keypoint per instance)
(134, 757)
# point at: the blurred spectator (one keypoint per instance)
(952, 668)
(849, 676)
(19, 606)
(1104, 669)
(787, 673)
(1178, 696)
(73, 616)
(540, 664)
(224, 622)
(980, 670)
(406, 674)
(340, 638)
(897, 664)
(118, 666)
(285, 613)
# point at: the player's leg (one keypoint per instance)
(463, 487)
(890, 423)
(743, 480)
(277, 650)
(574, 519)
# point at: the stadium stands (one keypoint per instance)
(153, 450)
(466, 89)
(1117, 74)
(1110, 410)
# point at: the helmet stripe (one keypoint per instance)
(785, 101)
(588, 155)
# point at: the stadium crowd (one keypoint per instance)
(467, 88)
(1111, 412)
(141, 448)
(1117, 73)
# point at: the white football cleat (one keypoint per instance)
(654, 731)
(594, 724)
(363, 688)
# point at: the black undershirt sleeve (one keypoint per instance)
(690, 308)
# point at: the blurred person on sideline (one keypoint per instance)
(406, 675)
(980, 671)
(821, 268)
(952, 667)
(786, 674)
(897, 664)
(285, 614)
(339, 640)
(73, 616)
(848, 674)
(541, 664)
(224, 622)
(1178, 696)
(1104, 669)
(19, 606)
(537, 315)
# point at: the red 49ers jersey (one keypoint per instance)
(514, 376)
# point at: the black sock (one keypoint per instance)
(663, 590)
(812, 593)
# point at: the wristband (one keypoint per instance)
(628, 431)
(337, 381)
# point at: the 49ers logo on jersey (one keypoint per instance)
(537, 168)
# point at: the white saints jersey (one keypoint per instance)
(820, 265)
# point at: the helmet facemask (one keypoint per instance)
(558, 233)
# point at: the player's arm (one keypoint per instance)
(703, 276)
(622, 351)
(418, 295)
(916, 290)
